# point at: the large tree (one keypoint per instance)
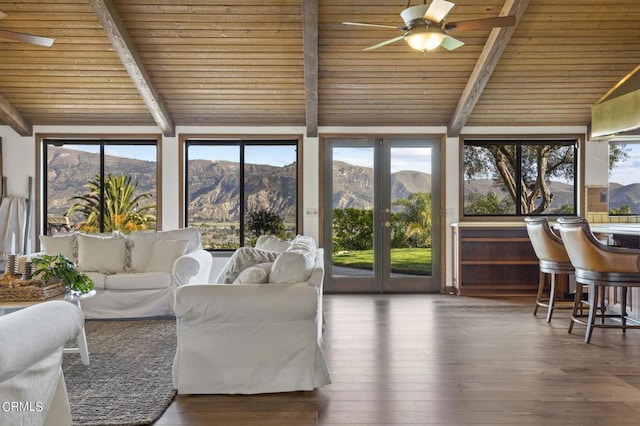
(124, 210)
(538, 165)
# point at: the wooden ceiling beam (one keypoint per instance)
(493, 49)
(124, 47)
(11, 116)
(310, 47)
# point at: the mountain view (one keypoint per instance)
(353, 185)
(213, 187)
(562, 193)
(621, 195)
(69, 170)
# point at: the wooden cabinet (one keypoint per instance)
(493, 260)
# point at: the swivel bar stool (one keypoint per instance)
(599, 266)
(553, 258)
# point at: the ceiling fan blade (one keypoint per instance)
(438, 9)
(480, 24)
(451, 43)
(384, 43)
(361, 24)
(27, 38)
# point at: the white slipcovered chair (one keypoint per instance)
(251, 338)
(32, 388)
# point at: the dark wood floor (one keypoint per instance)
(447, 360)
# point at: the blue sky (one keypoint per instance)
(417, 159)
(272, 155)
(269, 155)
(627, 173)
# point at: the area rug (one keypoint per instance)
(128, 381)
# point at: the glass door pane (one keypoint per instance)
(411, 222)
(352, 199)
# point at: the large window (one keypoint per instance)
(624, 178)
(239, 189)
(100, 185)
(519, 177)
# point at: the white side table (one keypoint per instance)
(82, 348)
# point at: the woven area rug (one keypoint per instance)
(128, 381)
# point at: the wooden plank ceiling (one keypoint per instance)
(293, 63)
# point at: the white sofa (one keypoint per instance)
(32, 388)
(135, 275)
(236, 338)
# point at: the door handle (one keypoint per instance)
(387, 224)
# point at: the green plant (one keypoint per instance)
(352, 229)
(59, 266)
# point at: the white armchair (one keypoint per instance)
(32, 388)
(250, 338)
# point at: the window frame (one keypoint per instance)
(101, 140)
(519, 140)
(241, 141)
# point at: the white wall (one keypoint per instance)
(19, 162)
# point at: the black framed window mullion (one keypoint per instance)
(242, 204)
(102, 188)
(518, 172)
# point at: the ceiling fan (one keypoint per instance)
(425, 28)
(27, 38)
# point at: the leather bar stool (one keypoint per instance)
(599, 267)
(553, 258)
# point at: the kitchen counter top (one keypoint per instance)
(616, 228)
(605, 228)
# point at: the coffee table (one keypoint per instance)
(82, 348)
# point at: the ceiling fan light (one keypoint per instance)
(425, 40)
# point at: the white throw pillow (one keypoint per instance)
(140, 245)
(66, 245)
(296, 264)
(101, 254)
(271, 243)
(303, 242)
(191, 235)
(242, 259)
(252, 275)
(164, 253)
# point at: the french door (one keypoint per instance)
(381, 221)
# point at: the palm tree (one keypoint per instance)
(123, 210)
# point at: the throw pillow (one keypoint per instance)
(164, 254)
(101, 254)
(271, 243)
(296, 263)
(241, 259)
(140, 245)
(253, 275)
(191, 235)
(66, 245)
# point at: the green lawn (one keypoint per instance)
(414, 261)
